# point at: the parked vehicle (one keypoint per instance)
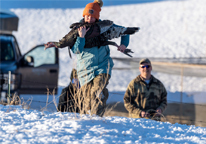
(31, 73)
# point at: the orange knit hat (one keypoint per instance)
(93, 9)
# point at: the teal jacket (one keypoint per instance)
(93, 61)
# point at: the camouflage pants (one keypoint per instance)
(95, 95)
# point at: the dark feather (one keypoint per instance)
(98, 35)
(95, 30)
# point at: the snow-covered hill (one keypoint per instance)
(31, 126)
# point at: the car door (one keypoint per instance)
(39, 70)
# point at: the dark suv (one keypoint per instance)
(31, 73)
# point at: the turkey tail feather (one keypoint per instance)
(131, 30)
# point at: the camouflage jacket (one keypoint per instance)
(141, 96)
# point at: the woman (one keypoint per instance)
(94, 65)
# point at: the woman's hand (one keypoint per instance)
(48, 45)
(121, 48)
(82, 31)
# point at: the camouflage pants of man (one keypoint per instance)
(95, 95)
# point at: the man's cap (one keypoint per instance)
(145, 60)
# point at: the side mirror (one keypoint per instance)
(30, 60)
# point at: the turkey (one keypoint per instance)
(99, 34)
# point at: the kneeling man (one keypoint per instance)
(146, 96)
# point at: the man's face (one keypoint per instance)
(89, 19)
(145, 70)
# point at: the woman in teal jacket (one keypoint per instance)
(94, 65)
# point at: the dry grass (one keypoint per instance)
(109, 109)
(16, 100)
(82, 100)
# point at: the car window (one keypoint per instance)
(41, 56)
(18, 53)
(6, 50)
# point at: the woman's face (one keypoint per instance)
(89, 19)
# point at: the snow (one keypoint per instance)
(170, 28)
(20, 125)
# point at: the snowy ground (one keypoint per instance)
(170, 28)
(31, 126)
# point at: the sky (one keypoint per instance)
(64, 4)
(168, 29)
